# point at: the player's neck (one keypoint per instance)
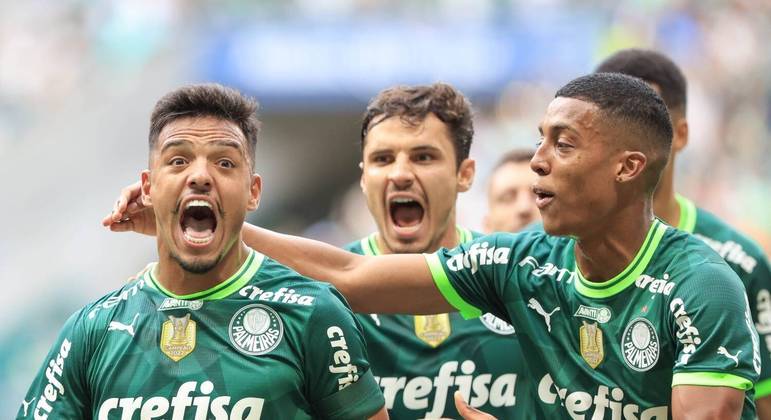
(603, 254)
(170, 274)
(665, 205)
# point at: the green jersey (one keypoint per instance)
(749, 262)
(266, 343)
(420, 361)
(677, 315)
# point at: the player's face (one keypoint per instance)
(511, 202)
(411, 181)
(576, 169)
(201, 186)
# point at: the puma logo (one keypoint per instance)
(26, 404)
(376, 319)
(128, 328)
(534, 304)
(722, 350)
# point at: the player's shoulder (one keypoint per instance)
(281, 284)
(726, 240)
(525, 242)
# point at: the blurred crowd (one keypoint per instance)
(77, 81)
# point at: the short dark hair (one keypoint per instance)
(652, 67)
(207, 100)
(514, 156)
(630, 102)
(413, 104)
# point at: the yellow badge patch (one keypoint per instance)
(178, 337)
(433, 329)
(590, 337)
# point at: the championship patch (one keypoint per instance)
(178, 337)
(591, 345)
(255, 330)
(496, 325)
(432, 329)
(640, 345)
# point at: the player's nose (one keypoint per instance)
(401, 173)
(200, 178)
(539, 163)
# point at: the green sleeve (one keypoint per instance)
(59, 390)
(471, 277)
(758, 284)
(340, 382)
(715, 341)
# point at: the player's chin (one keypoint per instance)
(197, 265)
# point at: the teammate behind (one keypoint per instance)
(510, 199)
(613, 310)
(743, 255)
(213, 329)
(415, 161)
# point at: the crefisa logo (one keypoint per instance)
(255, 329)
(640, 345)
(496, 325)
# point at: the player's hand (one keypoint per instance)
(468, 412)
(130, 214)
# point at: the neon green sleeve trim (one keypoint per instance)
(763, 389)
(442, 282)
(711, 379)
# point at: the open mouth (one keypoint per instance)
(406, 213)
(542, 197)
(198, 222)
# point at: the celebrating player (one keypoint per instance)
(618, 314)
(415, 161)
(214, 329)
(743, 255)
(510, 199)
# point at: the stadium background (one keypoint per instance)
(78, 80)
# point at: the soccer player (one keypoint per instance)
(743, 255)
(214, 329)
(618, 314)
(510, 199)
(415, 160)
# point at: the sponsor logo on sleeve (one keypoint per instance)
(640, 345)
(731, 252)
(547, 270)
(536, 306)
(54, 387)
(421, 392)
(184, 405)
(601, 315)
(116, 299)
(478, 255)
(763, 301)
(687, 333)
(341, 365)
(282, 295)
(178, 337)
(496, 325)
(256, 330)
(756, 361)
(605, 403)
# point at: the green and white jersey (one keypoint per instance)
(420, 361)
(266, 343)
(749, 262)
(677, 315)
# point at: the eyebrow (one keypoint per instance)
(219, 142)
(559, 127)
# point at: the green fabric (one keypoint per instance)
(628, 275)
(687, 214)
(275, 348)
(763, 389)
(711, 379)
(684, 312)
(449, 293)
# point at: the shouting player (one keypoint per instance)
(213, 329)
(510, 199)
(415, 161)
(743, 255)
(619, 315)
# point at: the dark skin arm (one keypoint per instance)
(704, 402)
(763, 405)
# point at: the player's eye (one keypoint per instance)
(226, 163)
(563, 145)
(424, 157)
(382, 159)
(177, 161)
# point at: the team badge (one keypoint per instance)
(255, 330)
(640, 345)
(601, 315)
(590, 340)
(432, 329)
(496, 325)
(178, 337)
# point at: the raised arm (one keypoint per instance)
(397, 283)
(704, 402)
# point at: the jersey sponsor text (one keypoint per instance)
(282, 295)
(731, 252)
(479, 255)
(341, 360)
(54, 387)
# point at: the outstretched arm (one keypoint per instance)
(397, 283)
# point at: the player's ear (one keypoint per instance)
(680, 139)
(145, 188)
(630, 166)
(466, 172)
(361, 178)
(255, 192)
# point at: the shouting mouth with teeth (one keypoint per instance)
(198, 222)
